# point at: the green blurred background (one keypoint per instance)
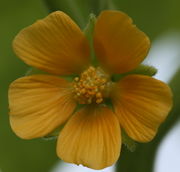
(154, 17)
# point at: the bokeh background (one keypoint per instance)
(159, 19)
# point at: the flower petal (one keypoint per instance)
(39, 104)
(141, 104)
(119, 45)
(91, 138)
(54, 44)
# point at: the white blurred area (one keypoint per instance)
(167, 49)
(165, 56)
(66, 167)
(168, 156)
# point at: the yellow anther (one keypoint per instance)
(98, 80)
(93, 88)
(83, 91)
(99, 100)
(87, 95)
(76, 79)
(102, 87)
(88, 78)
(77, 89)
(91, 93)
(78, 94)
(96, 88)
(103, 80)
(89, 87)
(98, 95)
(91, 68)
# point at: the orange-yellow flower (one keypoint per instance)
(41, 103)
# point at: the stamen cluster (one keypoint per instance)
(90, 86)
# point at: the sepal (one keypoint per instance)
(128, 142)
(140, 70)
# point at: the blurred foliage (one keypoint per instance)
(153, 17)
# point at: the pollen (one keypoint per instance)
(90, 86)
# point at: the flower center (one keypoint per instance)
(91, 86)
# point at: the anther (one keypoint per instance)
(76, 79)
(89, 87)
(99, 100)
(102, 87)
(98, 95)
(83, 91)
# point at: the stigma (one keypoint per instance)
(91, 86)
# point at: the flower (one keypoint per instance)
(91, 135)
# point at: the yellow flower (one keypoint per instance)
(41, 103)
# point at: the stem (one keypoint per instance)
(142, 160)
